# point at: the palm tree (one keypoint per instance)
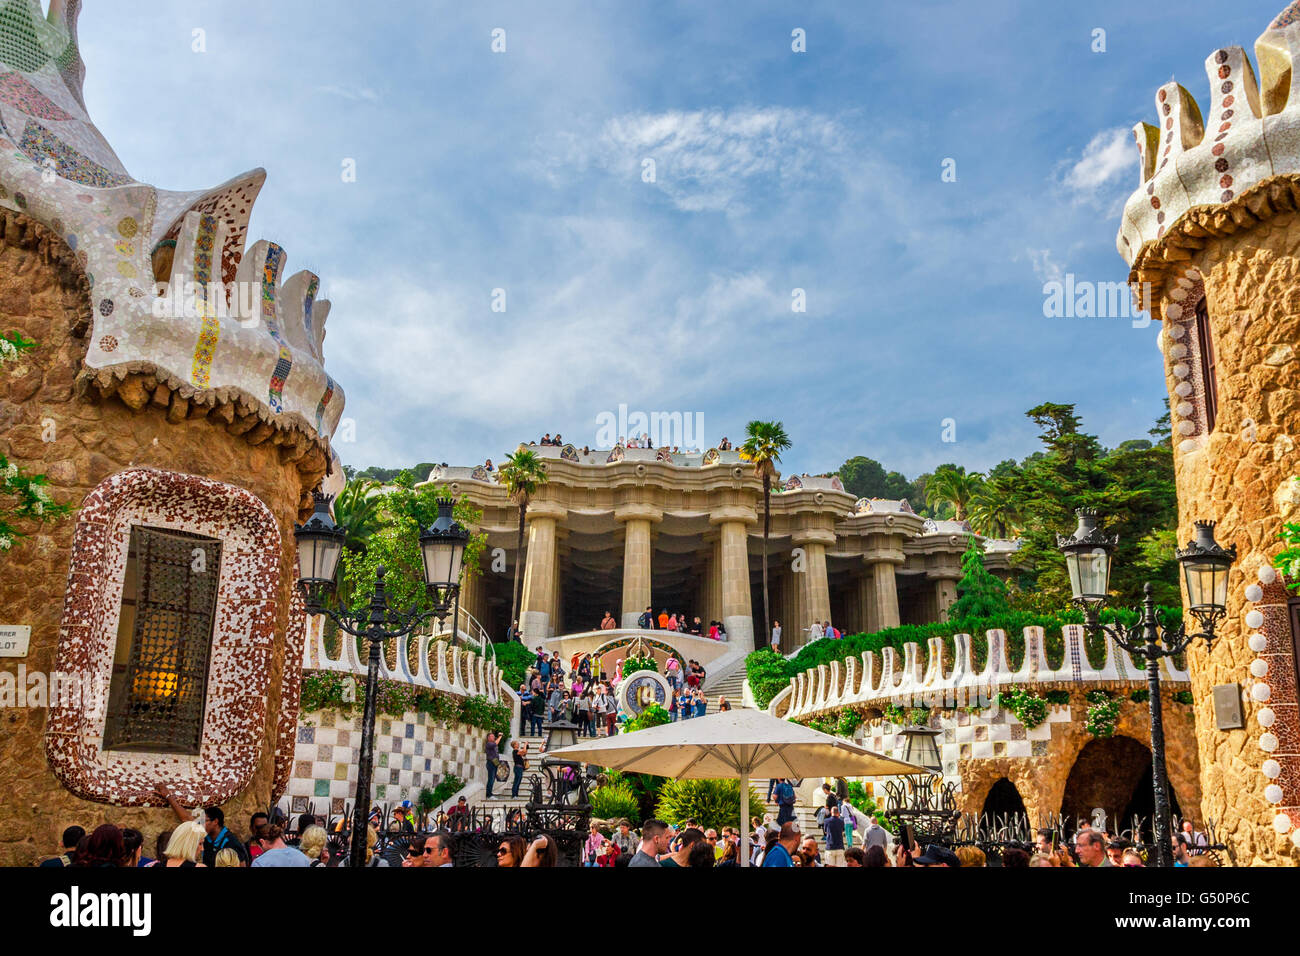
(356, 511)
(992, 513)
(764, 442)
(951, 484)
(521, 475)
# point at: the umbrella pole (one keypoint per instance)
(744, 819)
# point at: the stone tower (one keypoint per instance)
(178, 403)
(1213, 239)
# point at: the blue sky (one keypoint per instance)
(775, 170)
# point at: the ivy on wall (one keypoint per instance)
(1103, 713)
(21, 496)
(1030, 708)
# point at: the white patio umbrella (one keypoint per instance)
(736, 743)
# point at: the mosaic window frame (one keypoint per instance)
(240, 658)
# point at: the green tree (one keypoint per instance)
(402, 514)
(980, 594)
(867, 478)
(952, 485)
(521, 475)
(764, 442)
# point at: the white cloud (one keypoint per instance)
(706, 160)
(1045, 267)
(1109, 155)
(350, 93)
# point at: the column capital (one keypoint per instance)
(812, 536)
(635, 512)
(727, 514)
(538, 510)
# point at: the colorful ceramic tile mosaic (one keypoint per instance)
(242, 640)
(284, 362)
(210, 331)
(67, 177)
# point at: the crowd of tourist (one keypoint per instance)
(584, 696)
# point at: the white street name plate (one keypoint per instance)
(14, 639)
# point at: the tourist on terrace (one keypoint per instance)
(608, 623)
(546, 439)
(646, 621)
(487, 465)
(776, 636)
(713, 630)
(519, 757)
(815, 632)
(663, 619)
(696, 628)
(537, 713)
(672, 622)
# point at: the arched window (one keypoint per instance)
(1209, 374)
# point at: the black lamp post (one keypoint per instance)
(1205, 566)
(320, 544)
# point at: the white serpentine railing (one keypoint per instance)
(453, 669)
(918, 680)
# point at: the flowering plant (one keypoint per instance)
(1288, 560)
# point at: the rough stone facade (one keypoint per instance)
(78, 434)
(1242, 475)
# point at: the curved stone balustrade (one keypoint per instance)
(451, 669)
(913, 680)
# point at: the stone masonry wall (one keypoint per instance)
(1241, 476)
(43, 295)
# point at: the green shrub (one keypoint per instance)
(429, 799)
(612, 802)
(514, 660)
(633, 664)
(1057, 697)
(1030, 709)
(652, 716)
(1183, 697)
(644, 787)
(768, 675)
(710, 803)
(1103, 713)
(1140, 696)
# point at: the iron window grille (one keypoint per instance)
(160, 671)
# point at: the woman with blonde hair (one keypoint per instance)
(315, 843)
(971, 856)
(185, 846)
(227, 857)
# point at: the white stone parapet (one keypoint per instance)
(915, 681)
(439, 666)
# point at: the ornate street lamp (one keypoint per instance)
(1205, 567)
(919, 748)
(320, 543)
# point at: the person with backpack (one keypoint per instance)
(785, 798)
(646, 621)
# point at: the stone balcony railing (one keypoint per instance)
(918, 680)
(420, 660)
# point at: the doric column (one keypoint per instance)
(815, 603)
(883, 610)
(864, 588)
(737, 613)
(539, 573)
(637, 552)
(945, 595)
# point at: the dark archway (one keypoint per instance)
(1114, 774)
(1004, 800)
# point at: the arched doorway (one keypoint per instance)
(1113, 774)
(1003, 800)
